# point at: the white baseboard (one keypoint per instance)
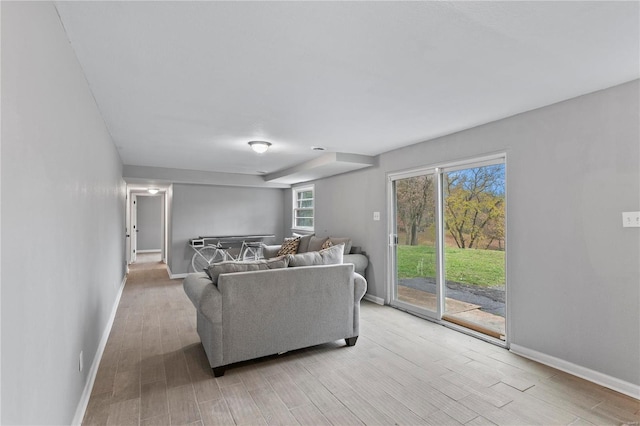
(374, 299)
(175, 276)
(149, 251)
(91, 377)
(601, 379)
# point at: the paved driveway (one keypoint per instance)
(491, 299)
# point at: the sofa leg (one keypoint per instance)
(351, 341)
(218, 371)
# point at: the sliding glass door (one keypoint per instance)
(474, 255)
(447, 244)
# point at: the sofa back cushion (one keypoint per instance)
(315, 243)
(255, 265)
(346, 241)
(303, 247)
(304, 259)
(267, 312)
(318, 243)
(331, 256)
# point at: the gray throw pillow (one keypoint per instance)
(255, 265)
(333, 255)
(315, 243)
(303, 247)
(309, 258)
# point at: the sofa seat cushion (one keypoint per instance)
(213, 271)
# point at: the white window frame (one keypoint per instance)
(295, 191)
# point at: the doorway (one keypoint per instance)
(149, 227)
(447, 244)
(146, 235)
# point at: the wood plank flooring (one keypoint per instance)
(403, 370)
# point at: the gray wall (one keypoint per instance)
(149, 217)
(220, 210)
(62, 220)
(573, 272)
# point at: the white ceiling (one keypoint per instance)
(187, 84)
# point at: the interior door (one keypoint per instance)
(134, 226)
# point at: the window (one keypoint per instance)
(303, 208)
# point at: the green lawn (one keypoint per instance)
(470, 266)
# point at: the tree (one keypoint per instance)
(474, 204)
(415, 205)
(494, 231)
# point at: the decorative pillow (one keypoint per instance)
(346, 241)
(333, 255)
(289, 246)
(234, 266)
(304, 242)
(326, 244)
(315, 244)
(309, 258)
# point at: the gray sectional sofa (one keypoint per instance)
(309, 243)
(248, 315)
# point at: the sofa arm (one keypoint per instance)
(204, 295)
(359, 290)
(359, 286)
(360, 262)
(269, 251)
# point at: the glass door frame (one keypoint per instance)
(437, 172)
(393, 243)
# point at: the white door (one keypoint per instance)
(134, 226)
(127, 229)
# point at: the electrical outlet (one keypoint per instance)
(376, 215)
(631, 219)
(81, 361)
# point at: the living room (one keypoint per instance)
(573, 166)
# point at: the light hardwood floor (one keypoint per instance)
(403, 370)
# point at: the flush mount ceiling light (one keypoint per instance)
(260, 146)
(153, 191)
